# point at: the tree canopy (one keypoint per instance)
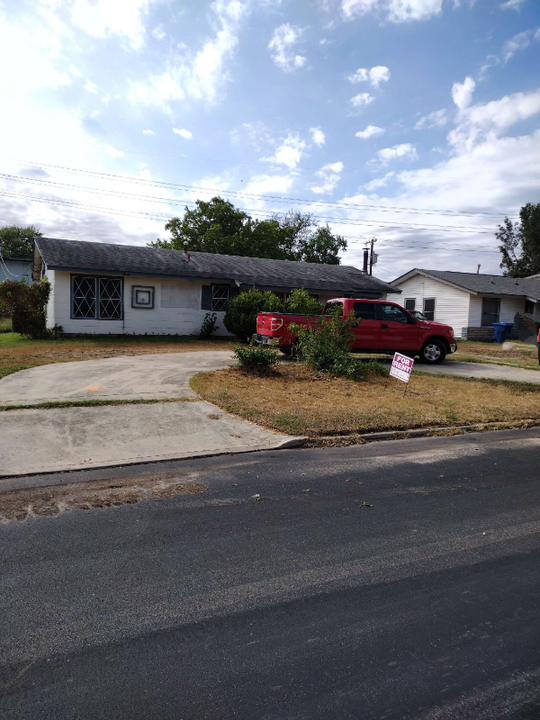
(520, 242)
(18, 242)
(217, 226)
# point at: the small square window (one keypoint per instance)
(410, 304)
(142, 297)
(529, 307)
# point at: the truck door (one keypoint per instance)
(366, 335)
(399, 330)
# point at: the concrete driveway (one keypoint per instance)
(36, 440)
(120, 378)
(481, 371)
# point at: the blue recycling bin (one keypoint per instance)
(501, 331)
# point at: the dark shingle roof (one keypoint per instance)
(485, 284)
(136, 260)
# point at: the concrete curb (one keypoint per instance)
(6, 485)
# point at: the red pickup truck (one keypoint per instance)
(384, 327)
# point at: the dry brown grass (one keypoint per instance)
(17, 353)
(521, 355)
(296, 401)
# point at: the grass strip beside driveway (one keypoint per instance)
(296, 401)
(94, 403)
(19, 353)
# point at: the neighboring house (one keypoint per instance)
(471, 302)
(105, 288)
(15, 269)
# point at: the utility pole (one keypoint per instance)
(373, 241)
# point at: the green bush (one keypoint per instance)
(256, 358)
(209, 326)
(26, 305)
(301, 303)
(241, 316)
(325, 346)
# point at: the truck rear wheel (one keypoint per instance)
(433, 352)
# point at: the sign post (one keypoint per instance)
(401, 368)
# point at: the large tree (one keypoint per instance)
(520, 242)
(218, 227)
(18, 242)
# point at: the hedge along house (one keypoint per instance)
(471, 302)
(102, 288)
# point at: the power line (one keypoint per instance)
(272, 198)
(333, 219)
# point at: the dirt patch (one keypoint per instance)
(50, 501)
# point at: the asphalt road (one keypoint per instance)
(423, 604)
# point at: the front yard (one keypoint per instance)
(18, 353)
(519, 355)
(297, 401)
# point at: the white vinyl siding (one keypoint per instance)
(451, 304)
(184, 318)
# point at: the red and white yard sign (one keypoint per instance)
(402, 367)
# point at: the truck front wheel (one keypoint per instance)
(433, 352)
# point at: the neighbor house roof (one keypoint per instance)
(481, 284)
(244, 271)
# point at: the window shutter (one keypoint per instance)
(206, 297)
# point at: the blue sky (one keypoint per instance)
(414, 121)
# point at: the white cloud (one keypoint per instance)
(261, 184)
(201, 76)
(375, 76)
(183, 133)
(75, 71)
(158, 32)
(113, 152)
(362, 99)
(462, 92)
(91, 87)
(282, 42)
(394, 10)
(405, 151)
(517, 43)
(370, 131)
(317, 136)
(330, 175)
(289, 153)
(103, 18)
(148, 132)
(483, 120)
(437, 118)
(512, 4)
(379, 182)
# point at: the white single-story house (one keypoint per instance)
(471, 302)
(124, 289)
(18, 269)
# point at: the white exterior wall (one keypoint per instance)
(508, 309)
(451, 304)
(186, 319)
(50, 321)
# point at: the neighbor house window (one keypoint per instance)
(490, 311)
(220, 297)
(410, 304)
(429, 308)
(529, 307)
(96, 297)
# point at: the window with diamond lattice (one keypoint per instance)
(110, 298)
(220, 297)
(84, 297)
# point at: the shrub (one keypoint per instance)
(256, 358)
(301, 303)
(241, 316)
(209, 326)
(325, 346)
(26, 305)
